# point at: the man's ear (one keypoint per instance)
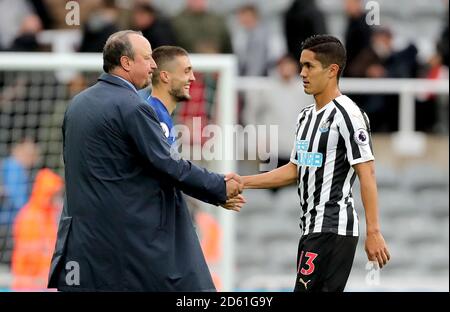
(125, 62)
(333, 70)
(164, 76)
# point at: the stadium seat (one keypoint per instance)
(424, 176)
(434, 202)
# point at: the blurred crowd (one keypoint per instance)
(243, 31)
(30, 197)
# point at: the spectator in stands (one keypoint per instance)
(278, 106)
(155, 27)
(26, 40)
(380, 60)
(197, 29)
(256, 54)
(200, 31)
(41, 8)
(442, 45)
(34, 233)
(302, 20)
(358, 33)
(15, 185)
(432, 109)
(12, 13)
(102, 22)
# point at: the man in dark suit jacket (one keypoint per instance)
(125, 225)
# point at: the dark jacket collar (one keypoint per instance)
(114, 80)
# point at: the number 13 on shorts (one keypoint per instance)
(308, 268)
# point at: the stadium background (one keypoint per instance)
(412, 170)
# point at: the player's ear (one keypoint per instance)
(333, 70)
(125, 63)
(164, 76)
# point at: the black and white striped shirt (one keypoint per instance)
(328, 143)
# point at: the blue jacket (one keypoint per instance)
(125, 225)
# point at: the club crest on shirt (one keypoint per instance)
(325, 126)
(361, 136)
(165, 129)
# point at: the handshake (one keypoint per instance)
(235, 186)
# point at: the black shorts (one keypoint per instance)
(324, 262)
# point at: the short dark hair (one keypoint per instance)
(117, 45)
(249, 8)
(329, 50)
(162, 56)
(145, 7)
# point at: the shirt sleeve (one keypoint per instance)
(145, 131)
(294, 155)
(354, 128)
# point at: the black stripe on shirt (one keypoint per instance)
(348, 204)
(303, 113)
(355, 148)
(300, 125)
(305, 129)
(350, 218)
(322, 148)
(303, 223)
(306, 175)
(341, 167)
(302, 137)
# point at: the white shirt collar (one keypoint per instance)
(129, 83)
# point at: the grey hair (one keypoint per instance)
(117, 45)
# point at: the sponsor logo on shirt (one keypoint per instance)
(306, 158)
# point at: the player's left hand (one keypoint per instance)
(376, 249)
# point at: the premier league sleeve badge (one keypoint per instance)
(361, 137)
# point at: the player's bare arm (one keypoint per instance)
(375, 245)
(279, 177)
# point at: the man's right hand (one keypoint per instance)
(234, 185)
